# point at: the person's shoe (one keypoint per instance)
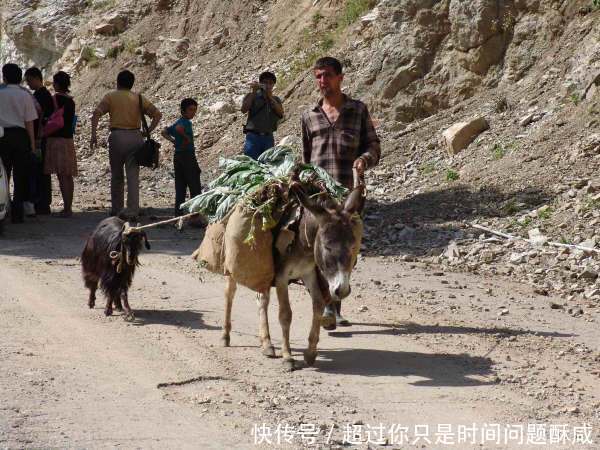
(29, 209)
(328, 320)
(43, 210)
(341, 321)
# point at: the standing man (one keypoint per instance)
(337, 135)
(17, 114)
(123, 107)
(264, 112)
(42, 197)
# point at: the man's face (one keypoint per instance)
(33, 82)
(268, 84)
(328, 81)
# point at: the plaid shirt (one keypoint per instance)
(335, 146)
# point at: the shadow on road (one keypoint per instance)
(438, 369)
(178, 318)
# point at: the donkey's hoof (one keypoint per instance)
(310, 357)
(269, 351)
(108, 311)
(289, 365)
(226, 341)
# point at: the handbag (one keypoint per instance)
(148, 154)
(56, 121)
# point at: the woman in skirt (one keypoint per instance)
(60, 148)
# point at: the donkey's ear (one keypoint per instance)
(355, 201)
(315, 209)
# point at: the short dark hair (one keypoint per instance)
(267, 76)
(328, 61)
(34, 72)
(12, 73)
(62, 80)
(125, 79)
(186, 103)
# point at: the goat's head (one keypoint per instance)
(132, 243)
(338, 238)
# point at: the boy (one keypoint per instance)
(187, 171)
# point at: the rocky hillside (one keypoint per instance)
(528, 70)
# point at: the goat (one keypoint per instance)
(110, 257)
(326, 242)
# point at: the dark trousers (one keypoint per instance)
(41, 184)
(187, 176)
(15, 149)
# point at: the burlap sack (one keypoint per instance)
(250, 265)
(211, 253)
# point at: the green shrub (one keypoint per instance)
(355, 9)
(575, 98)
(452, 175)
(498, 151)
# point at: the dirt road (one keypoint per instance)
(459, 361)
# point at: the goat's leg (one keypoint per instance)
(91, 283)
(117, 305)
(230, 289)
(285, 320)
(110, 296)
(128, 312)
(312, 284)
(262, 299)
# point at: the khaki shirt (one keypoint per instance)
(123, 106)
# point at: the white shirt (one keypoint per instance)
(16, 106)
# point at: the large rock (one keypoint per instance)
(222, 107)
(461, 134)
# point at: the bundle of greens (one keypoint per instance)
(262, 186)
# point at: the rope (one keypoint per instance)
(179, 219)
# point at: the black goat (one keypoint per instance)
(110, 257)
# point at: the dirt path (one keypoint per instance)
(427, 349)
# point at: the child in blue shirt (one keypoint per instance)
(185, 164)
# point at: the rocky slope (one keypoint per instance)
(530, 68)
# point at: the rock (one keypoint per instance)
(503, 312)
(370, 17)
(222, 107)
(105, 29)
(517, 258)
(526, 120)
(363, 308)
(575, 312)
(555, 306)
(461, 134)
(452, 252)
(588, 274)
(592, 293)
(537, 238)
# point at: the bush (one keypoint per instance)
(452, 175)
(355, 9)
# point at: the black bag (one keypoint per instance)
(148, 154)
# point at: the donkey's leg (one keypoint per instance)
(230, 289)
(312, 284)
(262, 299)
(285, 319)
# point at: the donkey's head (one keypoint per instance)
(337, 240)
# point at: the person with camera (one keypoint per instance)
(264, 110)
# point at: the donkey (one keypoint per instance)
(327, 240)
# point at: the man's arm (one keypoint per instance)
(29, 128)
(276, 105)
(156, 116)
(306, 142)
(95, 119)
(370, 146)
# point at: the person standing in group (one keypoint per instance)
(337, 135)
(185, 164)
(60, 147)
(17, 116)
(264, 110)
(42, 195)
(125, 111)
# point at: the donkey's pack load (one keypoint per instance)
(251, 207)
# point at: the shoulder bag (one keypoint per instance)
(148, 154)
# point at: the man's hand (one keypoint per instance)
(254, 87)
(360, 166)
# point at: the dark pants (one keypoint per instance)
(187, 175)
(41, 185)
(15, 150)
(256, 144)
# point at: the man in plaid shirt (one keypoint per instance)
(338, 135)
